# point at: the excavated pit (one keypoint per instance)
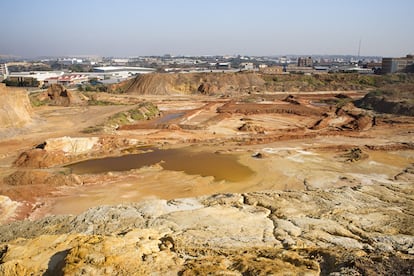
(258, 184)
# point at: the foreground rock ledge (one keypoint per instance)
(364, 230)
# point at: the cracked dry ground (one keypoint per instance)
(364, 230)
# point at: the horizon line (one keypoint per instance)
(180, 55)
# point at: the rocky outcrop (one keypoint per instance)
(291, 99)
(364, 230)
(71, 145)
(347, 117)
(57, 94)
(15, 108)
(8, 209)
(250, 127)
(406, 175)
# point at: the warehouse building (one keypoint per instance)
(398, 65)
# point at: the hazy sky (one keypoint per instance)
(206, 27)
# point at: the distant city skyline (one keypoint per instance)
(207, 27)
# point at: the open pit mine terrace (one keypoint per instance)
(248, 182)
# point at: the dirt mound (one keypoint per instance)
(29, 185)
(323, 122)
(40, 158)
(24, 178)
(363, 122)
(250, 127)
(70, 145)
(346, 117)
(173, 127)
(353, 155)
(395, 100)
(217, 83)
(291, 99)
(57, 94)
(15, 108)
(205, 83)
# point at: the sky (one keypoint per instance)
(125, 28)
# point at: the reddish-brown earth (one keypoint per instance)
(240, 127)
(330, 188)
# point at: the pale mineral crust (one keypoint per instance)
(364, 230)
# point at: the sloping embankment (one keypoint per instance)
(15, 108)
(396, 100)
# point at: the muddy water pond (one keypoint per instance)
(168, 117)
(220, 166)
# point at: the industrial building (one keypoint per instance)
(220, 65)
(272, 70)
(3, 69)
(115, 70)
(67, 80)
(116, 74)
(398, 65)
(305, 62)
(247, 66)
(34, 78)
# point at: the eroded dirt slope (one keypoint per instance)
(15, 108)
(164, 84)
(249, 82)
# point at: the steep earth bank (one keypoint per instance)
(394, 100)
(15, 108)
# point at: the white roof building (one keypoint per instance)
(38, 75)
(71, 79)
(118, 69)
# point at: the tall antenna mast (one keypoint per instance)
(359, 48)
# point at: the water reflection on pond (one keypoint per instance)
(168, 117)
(220, 166)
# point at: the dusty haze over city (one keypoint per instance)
(214, 27)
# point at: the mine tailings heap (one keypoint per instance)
(193, 83)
